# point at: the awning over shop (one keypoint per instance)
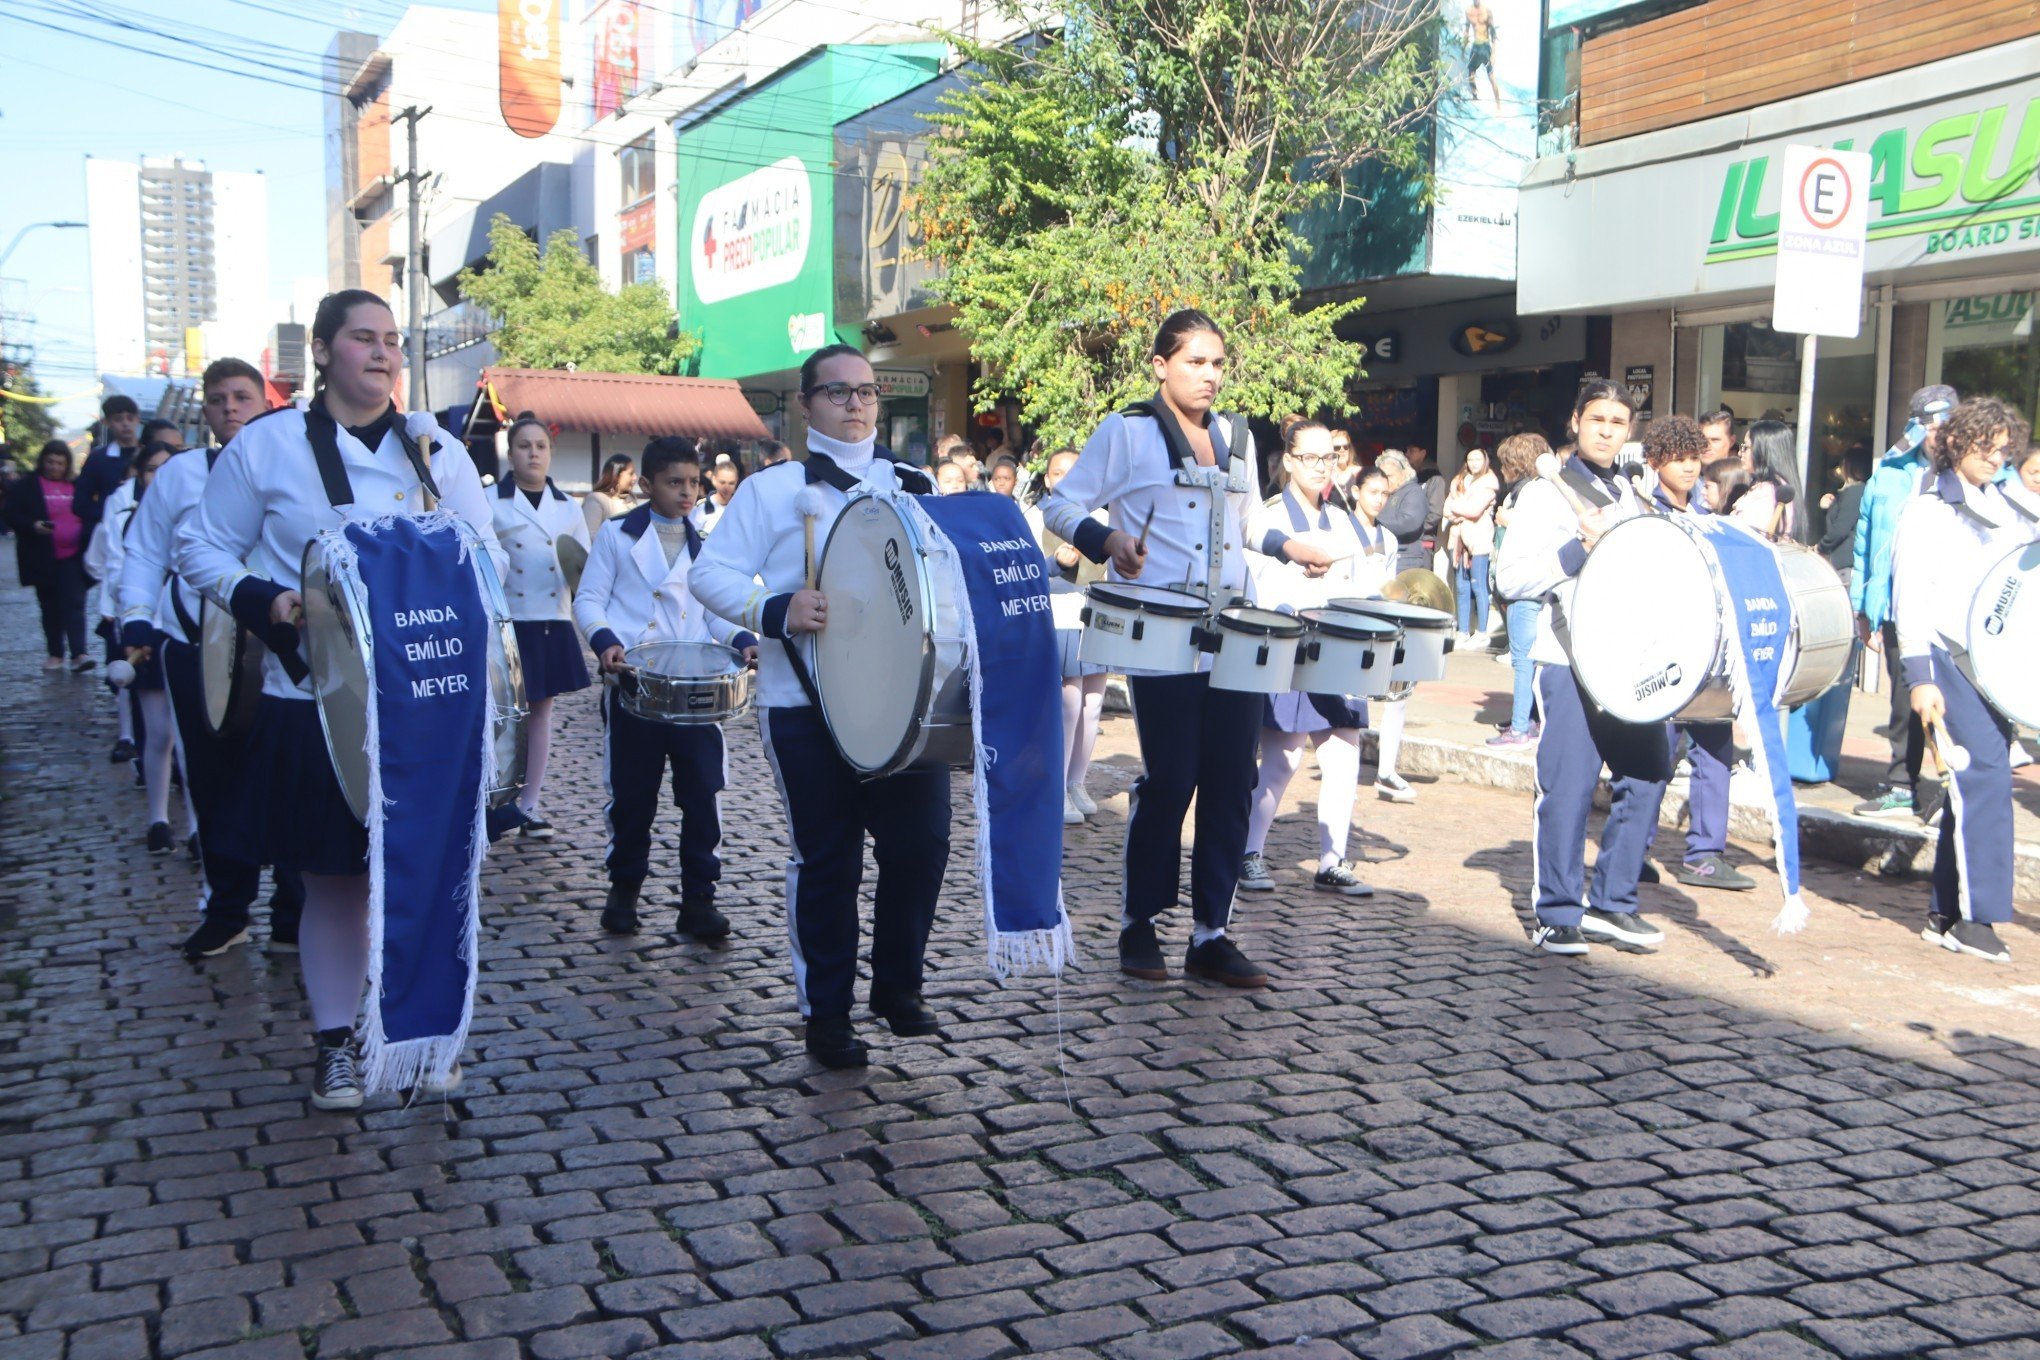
(625, 403)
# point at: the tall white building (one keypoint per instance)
(175, 248)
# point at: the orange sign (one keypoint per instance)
(528, 64)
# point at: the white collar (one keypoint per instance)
(852, 458)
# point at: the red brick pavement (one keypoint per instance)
(1422, 1140)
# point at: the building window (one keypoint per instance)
(639, 168)
(639, 266)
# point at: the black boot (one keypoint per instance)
(833, 1043)
(619, 912)
(699, 918)
(905, 1012)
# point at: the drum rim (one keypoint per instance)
(1191, 607)
(357, 801)
(1429, 621)
(924, 692)
(1279, 625)
(1334, 621)
(244, 676)
(736, 658)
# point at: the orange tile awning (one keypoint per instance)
(625, 403)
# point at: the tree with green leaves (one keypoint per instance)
(551, 310)
(1147, 155)
(25, 425)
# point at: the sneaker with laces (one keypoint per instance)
(1559, 940)
(1976, 939)
(1072, 814)
(1254, 875)
(1621, 926)
(1888, 802)
(1220, 960)
(213, 938)
(1712, 871)
(1140, 953)
(1085, 803)
(336, 1077)
(1393, 788)
(1341, 879)
(160, 840)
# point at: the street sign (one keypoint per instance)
(1824, 218)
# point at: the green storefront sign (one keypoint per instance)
(756, 206)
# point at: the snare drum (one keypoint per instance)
(892, 669)
(1254, 650)
(2004, 635)
(1426, 636)
(1150, 629)
(340, 639)
(1346, 653)
(687, 684)
(1651, 624)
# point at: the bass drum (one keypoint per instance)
(230, 671)
(2004, 635)
(892, 669)
(339, 640)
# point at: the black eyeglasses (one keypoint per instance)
(840, 393)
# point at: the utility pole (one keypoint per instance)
(414, 276)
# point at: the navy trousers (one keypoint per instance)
(1578, 739)
(1193, 740)
(1711, 755)
(211, 769)
(635, 757)
(829, 809)
(1973, 863)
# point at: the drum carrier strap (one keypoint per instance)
(323, 432)
(1182, 462)
(1589, 486)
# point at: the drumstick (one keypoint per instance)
(1140, 544)
(1784, 495)
(1947, 755)
(1548, 470)
(810, 507)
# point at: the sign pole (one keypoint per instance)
(1809, 360)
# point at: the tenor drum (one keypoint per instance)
(1346, 653)
(1151, 629)
(1254, 650)
(892, 668)
(230, 671)
(2004, 635)
(687, 684)
(1426, 636)
(1651, 624)
(339, 642)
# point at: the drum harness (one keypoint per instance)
(1216, 481)
(1959, 654)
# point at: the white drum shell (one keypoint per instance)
(1123, 637)
(1426, 638)
(2004, 635)
(1253, 661)
(1331, 663)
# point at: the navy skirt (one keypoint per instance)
(1338, 710)
(553, 658)
(287, 808)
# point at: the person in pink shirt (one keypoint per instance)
(51, 552)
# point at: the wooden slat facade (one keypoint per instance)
(1729, 55)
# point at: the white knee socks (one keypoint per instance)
(1281, 756)
(537, 750)
(333, 947)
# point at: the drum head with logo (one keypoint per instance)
(1645, 622)
(230, 671)
(874, 661)
(337, 650)
(2004, 635)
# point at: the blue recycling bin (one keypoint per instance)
(1813, 734)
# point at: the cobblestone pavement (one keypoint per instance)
(1422, 1140)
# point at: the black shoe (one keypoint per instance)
(283, 940)
(336, 1076)
(905, 1013)
(1140, 953)
(122, 750)
(1712, 871)
(535, 828)
(214, 937)
(160, 840)
(141, 780)
(82, 663)
(1929, 797)
(834, 1044)
(1624, 927)
(1649, 873)
(700, 919)
(1560, 940)
(191, 850)
(1977, 940)
(1936, 930)
(1220, 960)
(619, 912)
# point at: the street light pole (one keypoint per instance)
(25, 231)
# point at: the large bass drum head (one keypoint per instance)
(2004, 635)
(1645, 621)
(874, 661)
(337, 650)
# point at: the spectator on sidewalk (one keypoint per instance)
(50, 552)
(1772, 459)
(1718, 426)
(615, 494)
(1470, 541)
(1518, 456)
(1840, 510)
(1406, 511)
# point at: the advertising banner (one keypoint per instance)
(882, 264)
(704, 23)
(528, 65)
(617, 40)
(1486, 133)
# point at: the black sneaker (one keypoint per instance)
(1140, 954)
(283, 940)
(1929, 799)
(161, 842)
(1977, 940)
(82, 663)
(191, 851)
(214, 937)
(1341, 879)
(336, 1078)
(1621, 926)
(535, 828)
(1559, 940)
(1254, 876)
(1220, 960)
(1712, 871)
(905, 1012)
(1649, 873)
(833, 1043)
(1936, 930)
(700, 919)
(122, 750)
(619, 911)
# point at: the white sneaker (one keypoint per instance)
(1082, 800)
(1393, 788)
(1072, 814)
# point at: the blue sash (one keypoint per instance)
(429, 755)
(1001, 584)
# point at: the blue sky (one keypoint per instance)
(63, 98)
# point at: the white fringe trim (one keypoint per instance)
(398, 1065)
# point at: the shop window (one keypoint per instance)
(1558, 93)
(1984, 346)
(639, 169)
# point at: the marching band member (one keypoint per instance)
(634, 591)
(723, 476)
(143, 696)
(754, 573)
(1547, 544)
(1402, 519)
(1961, 522)
(1083, 687)
(1330, 723)
(271, 492)
(102, 563)
(532, 516)
(158, 610)
(1180, 483)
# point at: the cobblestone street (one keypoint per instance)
(1422, 1139)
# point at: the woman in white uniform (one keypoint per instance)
(531, 517)
(267, 498)
(145, 691)
(1330, 723)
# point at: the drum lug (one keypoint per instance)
(1261, 655)
(1400, 654)
(1084, 616)
(1207, 639)
(1139, 629)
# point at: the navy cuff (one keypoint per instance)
(1572, 556)
(138, 633)
(744, 639)
(772, 618)
(603, 640)
(1918, 670)
(251, 603)
(1089, 538)
(1272, 541)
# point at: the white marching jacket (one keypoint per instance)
(535, 586)
(1542, 553)
(629, 594)
(1367, 557)
(149, 589)
(105, 553)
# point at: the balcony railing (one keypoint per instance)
(455, 327)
